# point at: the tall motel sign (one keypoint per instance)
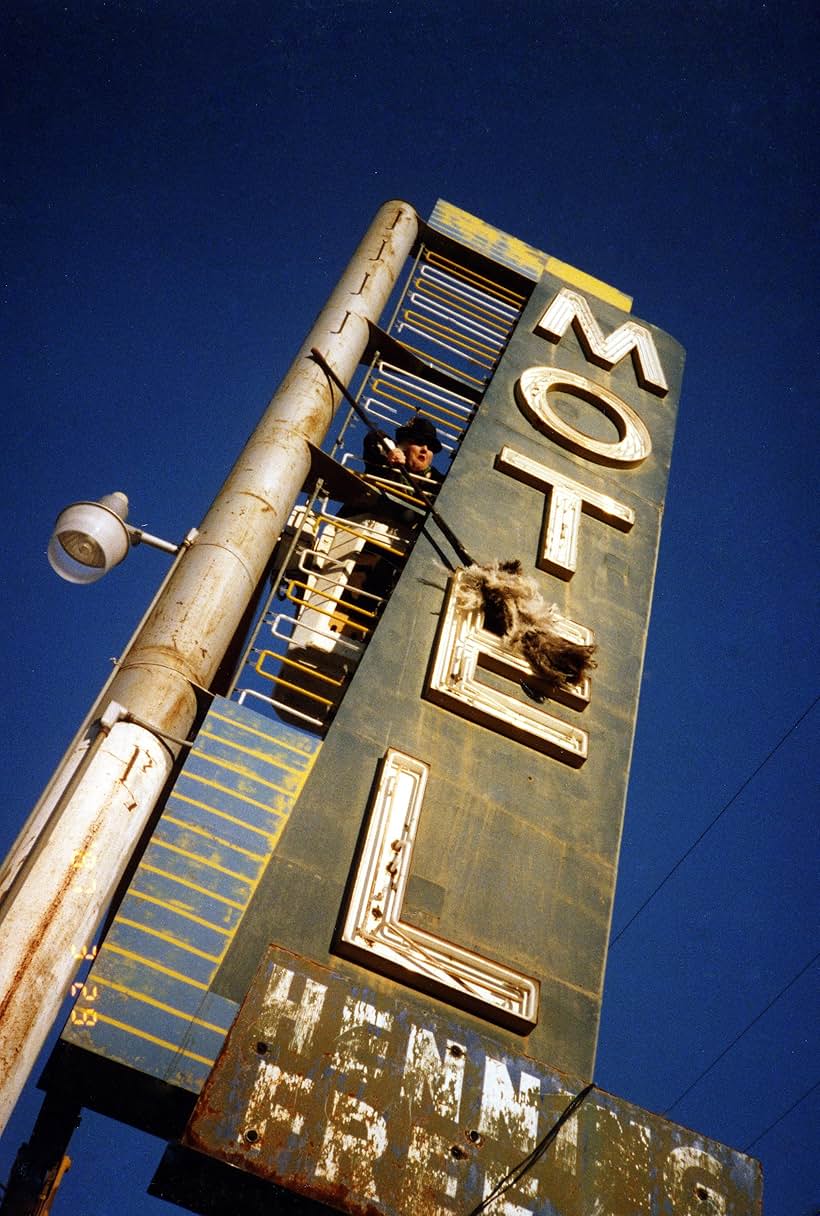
(356, 963)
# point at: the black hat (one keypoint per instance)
(419, 430)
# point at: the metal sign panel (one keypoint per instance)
(564, 467)
(571, 446)
(445, 775)
(372, 1104)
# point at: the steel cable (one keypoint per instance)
(710, 825)
(744, 1031)
(523, 1167)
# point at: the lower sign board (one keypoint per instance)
(349, 1096)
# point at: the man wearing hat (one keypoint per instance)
(416, 445)
(388, 465)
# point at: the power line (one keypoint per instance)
(739, 1036)
(780, 1118)
(710, 825)
(518, 1171)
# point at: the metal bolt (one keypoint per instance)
(251, 1135)
(261, 1048)
(457, 1151)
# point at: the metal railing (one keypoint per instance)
(334, 569)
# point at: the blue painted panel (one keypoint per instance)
(147, 1001)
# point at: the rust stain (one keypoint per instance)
(27, 968)
(337, 1195)
(350, 1098)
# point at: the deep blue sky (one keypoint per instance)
(184, 183)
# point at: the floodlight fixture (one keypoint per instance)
(90, 538)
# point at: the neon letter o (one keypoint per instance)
(532, 394)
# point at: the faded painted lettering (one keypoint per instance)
(361, 1044)
(692, 1178)
(274, 1095)
(355, 1137)
(304, 1013)
(426, 1071)
(505, 1113)
(442, 1116)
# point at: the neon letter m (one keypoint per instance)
(570, 308)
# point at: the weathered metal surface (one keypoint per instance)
(66, 889)
(184, 639)
(354, 1091)
(52, 797)
(375, 933)
(476, 234)
(146, 1002)
(524, 798)
(375, 1105)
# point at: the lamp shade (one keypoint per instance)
(89, 538)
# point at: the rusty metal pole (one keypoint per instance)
(61, 892)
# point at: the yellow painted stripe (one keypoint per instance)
(261, 734)
(173, 941)
(213, 810)
(513, 298)
(247, 751)
(224, 844)
(340, 619)
(428, 393)
(408, 398)
(492, 242)
(373, 538)
(478, 351)
(149, 1000)
(468, 308)
(226, 789)
(147, 962)
(461, 419)
(451, 303)
(240, 769)
(255, 884)
(312, 589)
(202, 861)
(152, 1038)
(169, 907)
(312, 696)
(317, 675)
(441, 363)
(595, 287)
(192, 886)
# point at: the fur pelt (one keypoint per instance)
(515, 609)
